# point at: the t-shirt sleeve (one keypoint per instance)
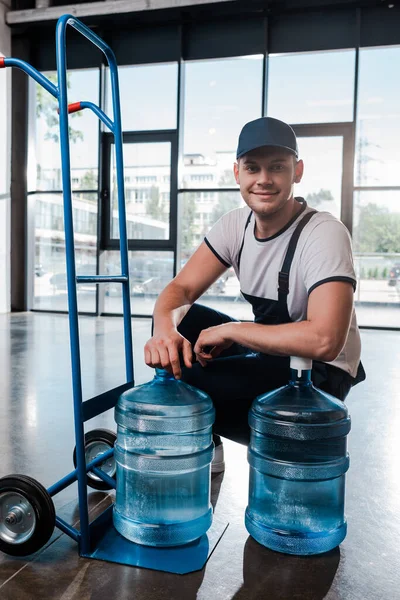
(220, 239)
(327, 256)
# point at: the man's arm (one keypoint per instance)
(163, 349)
(320, 337)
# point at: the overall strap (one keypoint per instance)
(244, 235)
(283, 278)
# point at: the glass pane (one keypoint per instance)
(312, 87)
(149, 273)
(321, 185)
(200, 210)
(147, 175)
(216, 108)
(376, 233)
(140, 90)
(50, 282)
(378, 119)
(83, 128)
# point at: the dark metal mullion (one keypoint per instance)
(321, 129)
(133, 315)
(61, 191)
(105, 191)
(180, 108)
(136, 136)
(378, 328)
(99, 183)
(62, 312)
(353, 141)
(346, 213)
(160, 136)
(221, 189)
(150, 244)
(356, 66)
(173, 200)
(264, 101)
(377, 188)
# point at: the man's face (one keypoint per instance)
(266, 177)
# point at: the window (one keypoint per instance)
(50, 280)
(377, 257)
(216, 108)
(149, 273)
(196, 222)
(141, 88)
(148, 216)
(378, 119)
(224, 294)
(321, 185)
(50, 283)
(83, 126)
(311, 87)
(376, 212)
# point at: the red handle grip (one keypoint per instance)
(74, 107)
(2, 65)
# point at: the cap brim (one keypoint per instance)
(247, 150)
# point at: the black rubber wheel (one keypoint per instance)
(27, 515)
(96, 442)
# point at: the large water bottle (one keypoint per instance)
(298, 460)
(163, 453)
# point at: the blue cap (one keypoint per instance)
(266, 131)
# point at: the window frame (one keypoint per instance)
(346, 131)
(136, 137)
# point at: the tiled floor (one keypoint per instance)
(36, 438)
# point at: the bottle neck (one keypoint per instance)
(163, 374)
(300, 378)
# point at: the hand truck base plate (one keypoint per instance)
(109, 545)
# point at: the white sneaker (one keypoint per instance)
(218, 463)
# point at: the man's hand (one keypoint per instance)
(163, 349)
(211, 342)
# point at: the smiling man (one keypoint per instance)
(295, 268)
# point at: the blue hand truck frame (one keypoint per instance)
(83, 411)
(98, 539)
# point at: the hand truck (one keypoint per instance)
(27, 513)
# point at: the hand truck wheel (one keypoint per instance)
(27, 515)
(98, 441)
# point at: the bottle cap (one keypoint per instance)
(300, 364)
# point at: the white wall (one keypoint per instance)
(5, 163)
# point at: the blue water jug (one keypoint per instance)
(163, 454)
(298, 460)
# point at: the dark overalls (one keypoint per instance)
(238, 375)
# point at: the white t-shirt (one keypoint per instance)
(323, 254)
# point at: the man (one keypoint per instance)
(295, 267)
